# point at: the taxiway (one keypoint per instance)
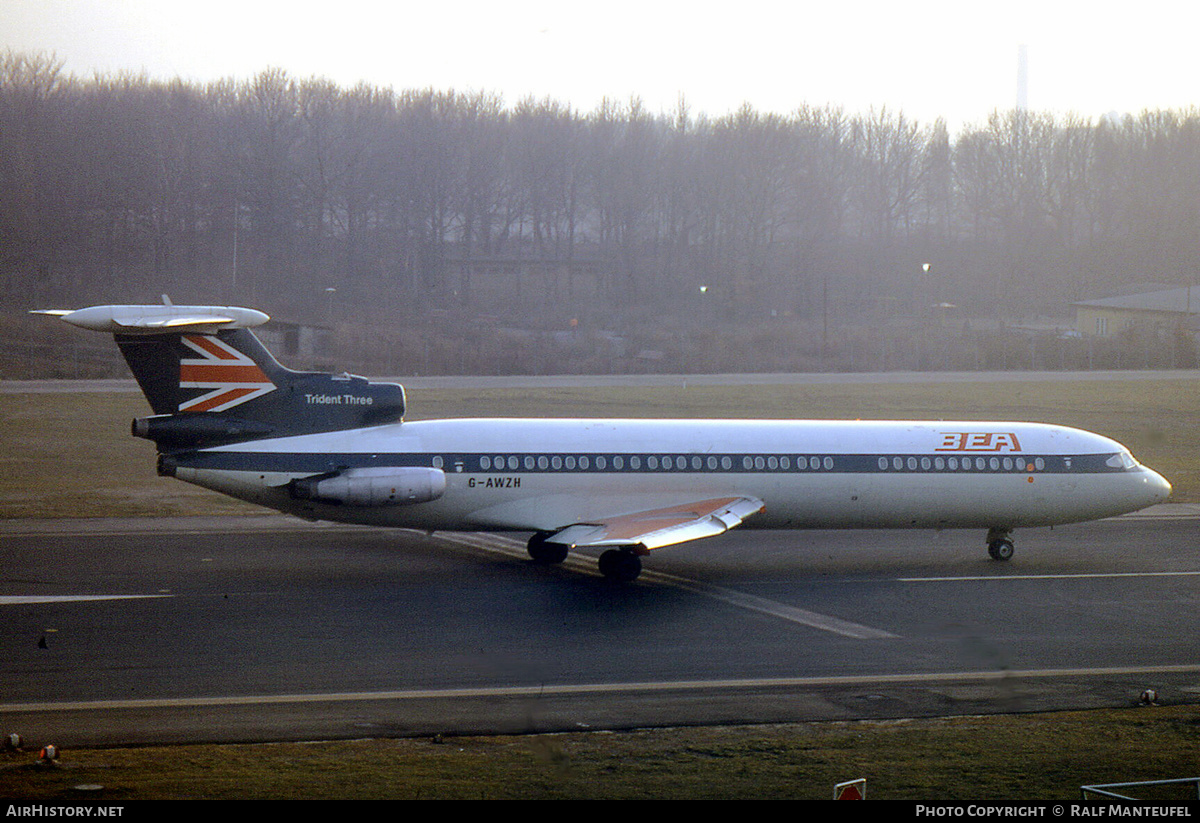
(259, 628)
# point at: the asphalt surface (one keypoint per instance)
(264, 628)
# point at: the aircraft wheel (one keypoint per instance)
(543, 552)
(1001, 549)
(620, 565)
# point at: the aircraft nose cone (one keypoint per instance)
(1163, 488)
(1158, 489)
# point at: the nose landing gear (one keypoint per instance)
(1000, 545)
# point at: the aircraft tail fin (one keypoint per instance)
(209, 380)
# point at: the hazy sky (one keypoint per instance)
(956, 60)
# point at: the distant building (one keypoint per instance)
(496, 279)
(299, 345)
(1166, 310)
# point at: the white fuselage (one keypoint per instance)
(543, 475)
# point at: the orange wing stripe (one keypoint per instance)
(630, 526)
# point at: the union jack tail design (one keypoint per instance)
(231, 377)
(211, 382)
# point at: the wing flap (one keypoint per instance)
(656, 528)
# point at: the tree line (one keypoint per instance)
(304, 196)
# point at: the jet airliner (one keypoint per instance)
(228, 417)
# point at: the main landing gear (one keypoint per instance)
(1000, 545)
(621, 565)
(546, 553)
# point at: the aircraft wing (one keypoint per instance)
(653, 529)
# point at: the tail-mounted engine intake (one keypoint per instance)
(175, 431)
(372, 487)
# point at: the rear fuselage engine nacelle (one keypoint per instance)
(385, 486)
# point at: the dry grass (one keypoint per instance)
(1044, 757)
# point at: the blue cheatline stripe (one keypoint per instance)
(652, 463)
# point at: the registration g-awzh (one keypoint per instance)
(228, 417)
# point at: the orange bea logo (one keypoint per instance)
(979, 442)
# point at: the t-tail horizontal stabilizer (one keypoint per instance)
(210, 381)
(164, 319)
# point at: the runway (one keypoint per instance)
(267, 628)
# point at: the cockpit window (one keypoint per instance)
(1122, 460)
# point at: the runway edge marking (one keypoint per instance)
(567, 690)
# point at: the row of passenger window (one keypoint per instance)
(712, 463)
(650, 462)
(1008, 464)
